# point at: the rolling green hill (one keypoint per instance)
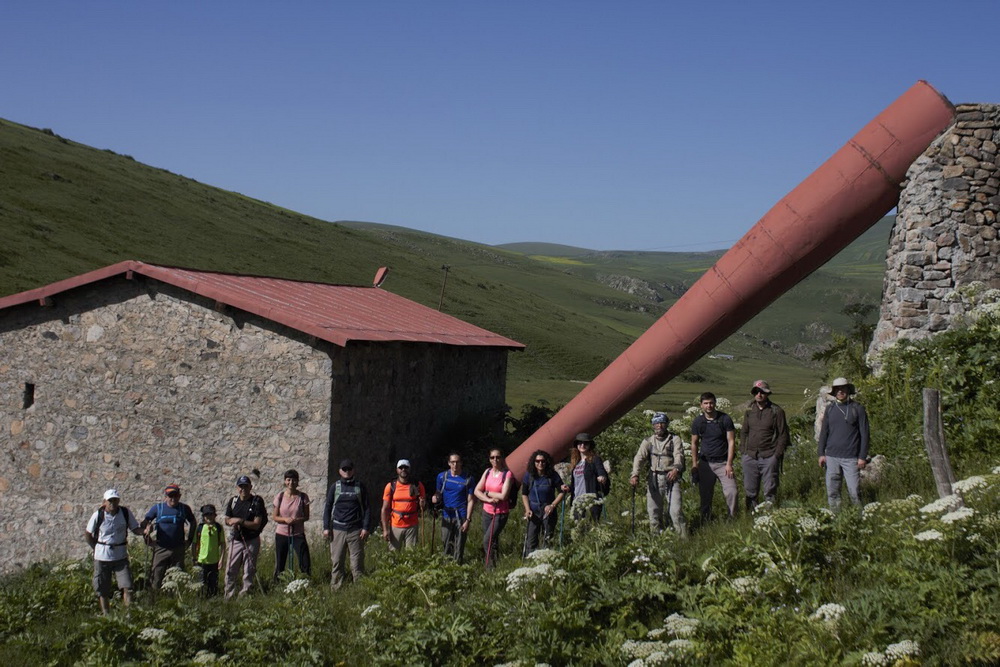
(66, 208)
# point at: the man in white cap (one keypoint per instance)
(664, 454)
(763, 439)
(107, 534)
(843, 443)
(402, 503)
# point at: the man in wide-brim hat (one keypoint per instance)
(843, 442)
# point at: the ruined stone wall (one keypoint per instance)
(946, 229)
(137, 385)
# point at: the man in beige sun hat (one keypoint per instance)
(843, 442)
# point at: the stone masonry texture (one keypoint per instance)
(137, 384)
(946, 231)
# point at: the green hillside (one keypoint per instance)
(66, 208)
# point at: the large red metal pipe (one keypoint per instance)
(845, 196)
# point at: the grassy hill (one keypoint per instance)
(66, 208)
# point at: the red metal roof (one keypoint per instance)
(334, 313)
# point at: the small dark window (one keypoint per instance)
(29, 395)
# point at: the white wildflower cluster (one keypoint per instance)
(958, 515)
(966, 485)
(655, 633)
(176, 580)
(204, 657)
(525, 576)
(582, 505)
(764, 522)
(942, 505)
(929, 536)
(543, 555)
(296, 585)
(152, 634)
(370, 609)
(829, 613)
(874, 659)
(69, 566)
(809, 525)
(745, 585)
(904, 649)
(681, 626)
(765, 506)
(870, 510)
(681, 646)
(996, 471)
(641, 649)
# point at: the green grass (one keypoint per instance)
(66, 208)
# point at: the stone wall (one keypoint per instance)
(946, 229)
(137, 385)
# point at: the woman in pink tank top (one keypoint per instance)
(493, 489)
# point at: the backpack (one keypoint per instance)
(100, 522)
(414, 493)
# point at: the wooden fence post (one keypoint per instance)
(934, 442)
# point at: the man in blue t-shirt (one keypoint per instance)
(713, 445)
(453, 492)
(170, 543)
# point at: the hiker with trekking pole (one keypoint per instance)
(246, 516)
(291, 511)
(402, 502)
(663, 453)
(346, 523)
(454, 494)
(542, 491)
(493, 490)
(164, 526)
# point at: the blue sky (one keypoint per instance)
(607, 125)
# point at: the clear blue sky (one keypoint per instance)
(608, 125)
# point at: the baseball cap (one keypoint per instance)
(111, 493)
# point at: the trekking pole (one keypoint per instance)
(562, 522)
(489, 544)
(434, 519)
(524, 547)
(633, 511)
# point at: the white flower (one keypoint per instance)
(928, 536)
(680, 626)
(712, 578)
(524, 576)
(641, 649)
(831, 611)
(942, 505)
(744, 585)
(874, 659)
(809, 525)
(996, 471)
(153, 634)
(904, 649)
(681, 645)
(870, 510)
(543, 555)
(763, 522)
(296, 585)
(370, 608)
(204, 657)
(655, 633)
(641, 558)
(969, 484)
(958, 515)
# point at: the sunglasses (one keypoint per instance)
(495, 458)
(402, 467)
(540, 461)
(347, 468)
(173, 495)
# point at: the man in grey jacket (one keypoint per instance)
(843, 443)
(664, 454)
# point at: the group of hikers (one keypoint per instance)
(347, 518)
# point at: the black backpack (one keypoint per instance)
(100, 522)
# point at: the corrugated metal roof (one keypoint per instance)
(334, 313)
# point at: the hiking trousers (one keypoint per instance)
(342, 542)
(242, 554)
(453, 538)
(403, 537)
(756, 471)
(209, 578)
(165, 558)
(708, 473)
(842, 469)
(539, 526)
(283, 544)
(492, 527)
(660, 492)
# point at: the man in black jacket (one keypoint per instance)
(346, 523)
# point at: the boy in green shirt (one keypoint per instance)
(208, 548)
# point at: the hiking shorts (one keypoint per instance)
(103, 569)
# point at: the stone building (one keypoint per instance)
(946, 232)
(136, 376)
